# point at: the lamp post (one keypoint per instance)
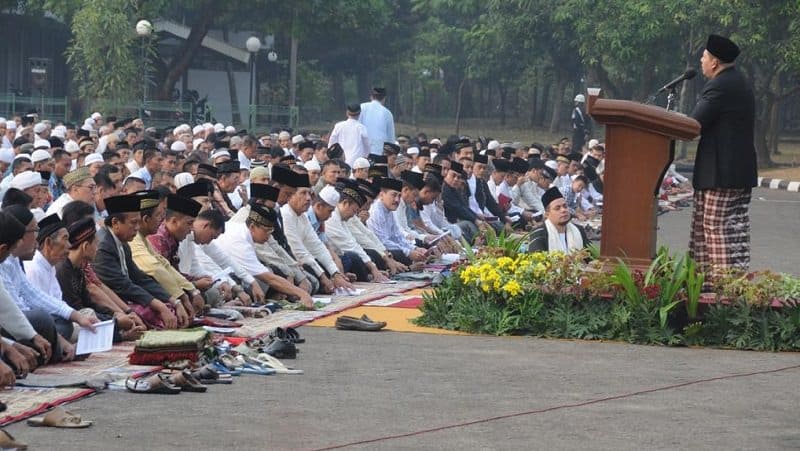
(143, 29)
(253, 45)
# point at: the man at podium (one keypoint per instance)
(725, 164)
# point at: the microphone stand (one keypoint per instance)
(671, 97)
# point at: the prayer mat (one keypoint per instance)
(26, 402)
(159, 346)
(397, 320)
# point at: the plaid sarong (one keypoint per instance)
(720, 237)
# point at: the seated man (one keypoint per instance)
(381, 221)
(75, 285)
(348, 261)
(256, 229)
(432, 214)
(156, 266)
(115, 266)
(306, 246)
(366, 237)
(340, 237)
(50, 317)
(557, 233)
(456, 206)
(80, 186)
(12, 320)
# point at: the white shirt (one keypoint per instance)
(365, 237)
(340, 237)
(42, 275)
(305, 243)
(208, 260)
(402, 222)
(379, 122)
(381, 222)
(237, 236)
(12, 320)
(433, 217)
(58, 205)
(473, 201)
(352, 136)
(26, 295)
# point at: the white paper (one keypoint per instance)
(101, 340)
(322, 300)
(346, 292)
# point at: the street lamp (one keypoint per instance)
(253, 45)
(144, 29)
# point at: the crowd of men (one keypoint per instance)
(109, 220)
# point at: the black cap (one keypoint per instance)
(80, 231)
(482, 159)
(549, 173)
(55, 142)
(48, 226)
(335, 151)
(535, 163)
(519, 165)
(378, 159)
(414, 179)
(263, 191)
(207, 170)
(306, 145)
(501, 165)
(262, 215)
(574, 156)
(282, 174)
(228, 167)
(458, 167)
(378, 91)
(433, 167)
(550, 195)
(390, 184)
(202, 187)
(127, 203)
(425, 152)
(723, 48)
(350, 189)
(148, 198)
(183, 205)
(354, 108)
(378, 171)
(391, 148)
(369, 189)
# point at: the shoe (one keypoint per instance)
(187, 382)
(281, 349)
(289, 333)
(156, 383)
(363, 323)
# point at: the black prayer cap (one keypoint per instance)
(508, 152)
(378, 159)
(490, 153)
(390, 184)
(282, 174)
(574, 156)
(20, 212)
(367, 188)
(549, 173)
(80, 231)
(123, 145)
(378, 171)
(425, 152)
(335, 151)
(550, 195)
(350, 189)
(264, 191)
(275, 152)
(519, 165)
(48, 226)
(183, 205)
(55, 142)
(207, 170)
(81, 132)
(307, 145)
(501, 165)
(148, 199)
(262, 215)
(202, 187)
(390, 148)
(482, 159)
(228, 167)
(354, 108)
(723, 48)
(432, 167)
(127, 203)
(461, 143)
(19, 141)
(288, 159)
(414, 179)
(45, 176)
(458, 167)
(261, 150)
(535, 163)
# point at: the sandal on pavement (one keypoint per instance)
(8, 442)
(156, 383)
(59, 418)
(187, 382)
(289, 333)
(271, 362)
(281, 349)
(208, 375)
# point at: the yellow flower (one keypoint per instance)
(512, 287)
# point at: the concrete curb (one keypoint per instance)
(763, 182)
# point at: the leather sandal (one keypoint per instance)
(281, 349)
(187, 382)
(208, 375)
(156, 383)
(7, 441)
(59, 418)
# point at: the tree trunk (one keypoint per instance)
(188, 49)
(236, 116)
(558, 101)
(458, 105)
(545, 103)
(362, 83)
(295, 42)
(503, 91)
(534, 101)
(774, 120)
(338, 92)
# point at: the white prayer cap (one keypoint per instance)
(11, 125)
(236, 140)
(361, 163)
(313, 165)
(593, 142)
(87, 127)
(196, 143)
(72, 147)
(2, 121)
(41, 144)
(39, 128)
(552, 164)
(25, 180)
(208, 126)
(183, 128)
(6, 155)
(89, 121)
(219, 127)
(183, 179)
(230, 130)
(40, 155)
(96, 116)
(178, 146)
(493, 144)
(284, 135)
(297, 139)
(329, 195)
(220, 153)
(93, 158)
(413, 151)
(197, 129)
(23, 155)
(59, 133)
(38, 214)
(436, 141)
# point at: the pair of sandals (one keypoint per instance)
(59, 417)
(166, 384)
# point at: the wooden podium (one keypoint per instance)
(640, 147)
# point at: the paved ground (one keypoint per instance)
(366, 386)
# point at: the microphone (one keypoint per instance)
(688, 75)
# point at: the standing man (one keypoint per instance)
(378, 120)
(351, 135)
(725, 166)
(580, 124)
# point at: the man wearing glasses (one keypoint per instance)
(80, 186)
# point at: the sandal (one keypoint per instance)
(187, 382)
(208, 375)
(289, 333)
(7, 441)
(271, 362)
(59, 418)
(156, 383)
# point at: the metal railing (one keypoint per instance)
(265, 117)
(52, 108)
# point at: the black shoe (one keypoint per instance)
(281, 349)
(288, 333)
